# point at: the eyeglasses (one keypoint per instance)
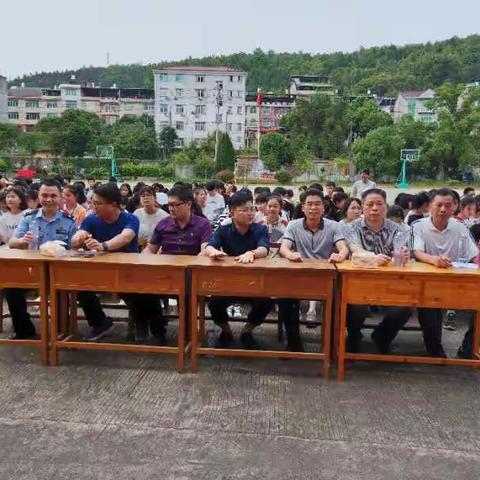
(175, 205)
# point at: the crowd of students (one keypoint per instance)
(217, 220)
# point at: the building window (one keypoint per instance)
(163, 77)
(200, 126)
(71, 104)
(179, 92)
(111, 108)
(52, 104)
(427, 118)
(179, 125)
(229, 127)
(230, 93)
(266, 110)
(71, 93)
(239, 93)
(239, 127)
(179, 77)
(13, 115)
(164, 108)
(239, 78)
(231, 78)
(239, 110)
(253, 121)
(52, 115)
(253, 109)
(412, 107)
(180, 109)
(32, 116)
(128, 107)
(229, 110)
(200, 93)
(32, 104)
(179, 142)
(13, 103)
(239, 139)
(267, 123)
(163, 92)
(200, 78)
(200, 109)
(148, 106)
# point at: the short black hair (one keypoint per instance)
(475, 231)
(51, 182)
(90, 178)
(374, 191)
(349, 202)
(278, 198)
(280, 191)
(210, 186)
(467, 190)
(447, 192)
(182, 192)
(263, 197)
(146, 189)
(365, 170)
(110, 192)
(404, 200)
(420, 199)
(313, 192)
(239, 198)
(316, 186)
(396, 211)
(77, 190)
(338, 197)
(466, 202)
(330, 183)
(339, 189)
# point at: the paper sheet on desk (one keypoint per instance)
(464, 265)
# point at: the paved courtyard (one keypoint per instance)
(131, 416)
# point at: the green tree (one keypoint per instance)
(275, 151)
(225, 153)
(167, 138)
(364, 116)
(379, 151)
(204, 166)
(135, 141)
(9, 135)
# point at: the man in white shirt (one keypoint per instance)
(363, 184)
(215, 202)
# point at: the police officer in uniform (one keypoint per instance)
(37, 227)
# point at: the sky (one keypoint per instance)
(52, 35)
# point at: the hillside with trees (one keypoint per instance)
(384, 70)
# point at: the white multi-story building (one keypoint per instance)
(3, 100)
(195, 101)
(27, 105)
(308, 85)
(416, 104)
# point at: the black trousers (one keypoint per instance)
(289, 315)
(146, 310)
(17, 304)
(430, 320)
(395, 318)
(260, 309)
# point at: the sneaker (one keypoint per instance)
(224, 340)
(247, 340)
(237, 312)
(97, 333)
(311, 319)
(231, 311)
(450, 322)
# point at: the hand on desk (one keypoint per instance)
(294, 257)
(383, 260)
(247, 257)
(442, 261)
(336, 258)
(214, 253)
(93, 244)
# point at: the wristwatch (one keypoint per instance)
(105, 246)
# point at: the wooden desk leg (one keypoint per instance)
(341, 341)
(201, 320)
(327, 333)
(336, 318)
(44, 316)
(182, 314)
(194, 327)
(1, 311)
(73, 313)
(53, 327)
(476, 336)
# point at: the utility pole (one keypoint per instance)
(219, 101)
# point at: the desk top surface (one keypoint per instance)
(25, 255)
(413, 268)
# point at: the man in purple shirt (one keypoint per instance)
(182, 233)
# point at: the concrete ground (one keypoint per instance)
(131, 416)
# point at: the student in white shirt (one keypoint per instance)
(215, 202)
(16, 204)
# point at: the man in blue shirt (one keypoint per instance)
(245, 241)
(110, 229)
(37, 227)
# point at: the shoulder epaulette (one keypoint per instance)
(31, 212)
(67, 215)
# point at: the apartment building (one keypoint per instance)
(195, 101)
(3, 100)
(27, 105)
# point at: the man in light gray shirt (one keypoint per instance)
(363, 184)
(440, 240)
(312, 237)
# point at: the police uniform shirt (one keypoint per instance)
(60, 227)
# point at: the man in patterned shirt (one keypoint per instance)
(374, 233)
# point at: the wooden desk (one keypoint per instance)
(27, 269)
(417, 285)
(120, 273)
(278, 278)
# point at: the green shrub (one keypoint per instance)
(99, 172)
(454, 183)
(283, 177)
(226, 176)
(4, 165)
(166, 172)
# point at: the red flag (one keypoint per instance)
(259, 98)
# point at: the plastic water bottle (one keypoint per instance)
(462, 249)
(399, 241)
(35, 231)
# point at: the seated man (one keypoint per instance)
(309, 237)
(437, 240)
(245, 241)
(374, 233)
(37, 227)
(109, 229)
